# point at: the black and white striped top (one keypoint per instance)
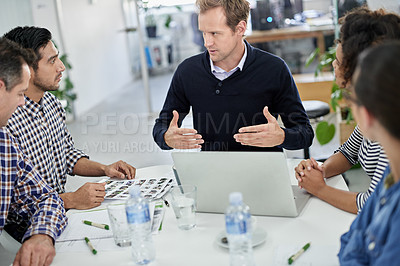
(372, 158)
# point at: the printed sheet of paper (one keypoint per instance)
(158, 216)
(152, 188)
(80, 246)
(72, 238)
(77, 230)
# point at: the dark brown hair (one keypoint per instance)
(12, 58)
(235, 10)
(30, 37)
(362, 28)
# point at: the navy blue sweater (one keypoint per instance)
(220, 108)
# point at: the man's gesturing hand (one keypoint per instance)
(181, 138)
(265, 135)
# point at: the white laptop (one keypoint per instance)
(262, 177)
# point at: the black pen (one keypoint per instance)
(166, 203)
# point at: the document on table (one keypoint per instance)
(151, 188)
(102, 244)
(316, 255)
(72, 239)
(77, 230)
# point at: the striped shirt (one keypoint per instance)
(24, 196)
(43, 136)
(372, 158)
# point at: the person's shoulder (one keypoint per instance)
(192, 62)
(7, 142)
(263, 56)
(50, 97)
(17, 116)
(4, 134)
(52, 101)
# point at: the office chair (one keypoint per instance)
(314, 110)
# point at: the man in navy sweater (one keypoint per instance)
(235, 90)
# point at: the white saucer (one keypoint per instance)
(258, 237)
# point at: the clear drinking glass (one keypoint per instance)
(183, 201)
(119, 224)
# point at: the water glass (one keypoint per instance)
(183, 201)
(119, 224)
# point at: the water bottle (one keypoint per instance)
(137, 212)
(238, 230)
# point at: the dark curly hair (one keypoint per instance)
(362, 28)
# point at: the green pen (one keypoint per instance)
(301, 251)
(102, 226)
(90, 246)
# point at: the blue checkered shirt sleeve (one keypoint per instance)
(24, 194)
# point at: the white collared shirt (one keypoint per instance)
(221, 74)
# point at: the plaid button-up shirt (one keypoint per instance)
(24, 195)
(43, 136)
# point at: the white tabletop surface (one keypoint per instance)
(319, 223)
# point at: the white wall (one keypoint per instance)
(14, 13)
(96, 47)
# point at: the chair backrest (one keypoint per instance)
(9, 243)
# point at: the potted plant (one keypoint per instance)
(150, 17)
(151, 25)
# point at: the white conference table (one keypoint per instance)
(319, 223)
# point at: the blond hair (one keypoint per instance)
(235, 10)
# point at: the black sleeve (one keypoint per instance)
(176, 100)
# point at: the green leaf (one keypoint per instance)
(325, 132)
(337, 94)
(312, 57)
(326, 62)
(349, 116)
(168, 21)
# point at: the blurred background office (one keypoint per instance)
(123, 53)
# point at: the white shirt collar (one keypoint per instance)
(216, 69)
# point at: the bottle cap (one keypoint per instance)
(134, 191)
(235, 198)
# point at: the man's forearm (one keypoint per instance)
(68, 200)
(158, 136)
(298, 137)
(86, 167)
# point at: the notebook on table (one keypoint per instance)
(262, 177)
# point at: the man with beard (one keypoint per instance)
(39, 127)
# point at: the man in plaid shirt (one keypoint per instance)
(23, 193)
(39, 126)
